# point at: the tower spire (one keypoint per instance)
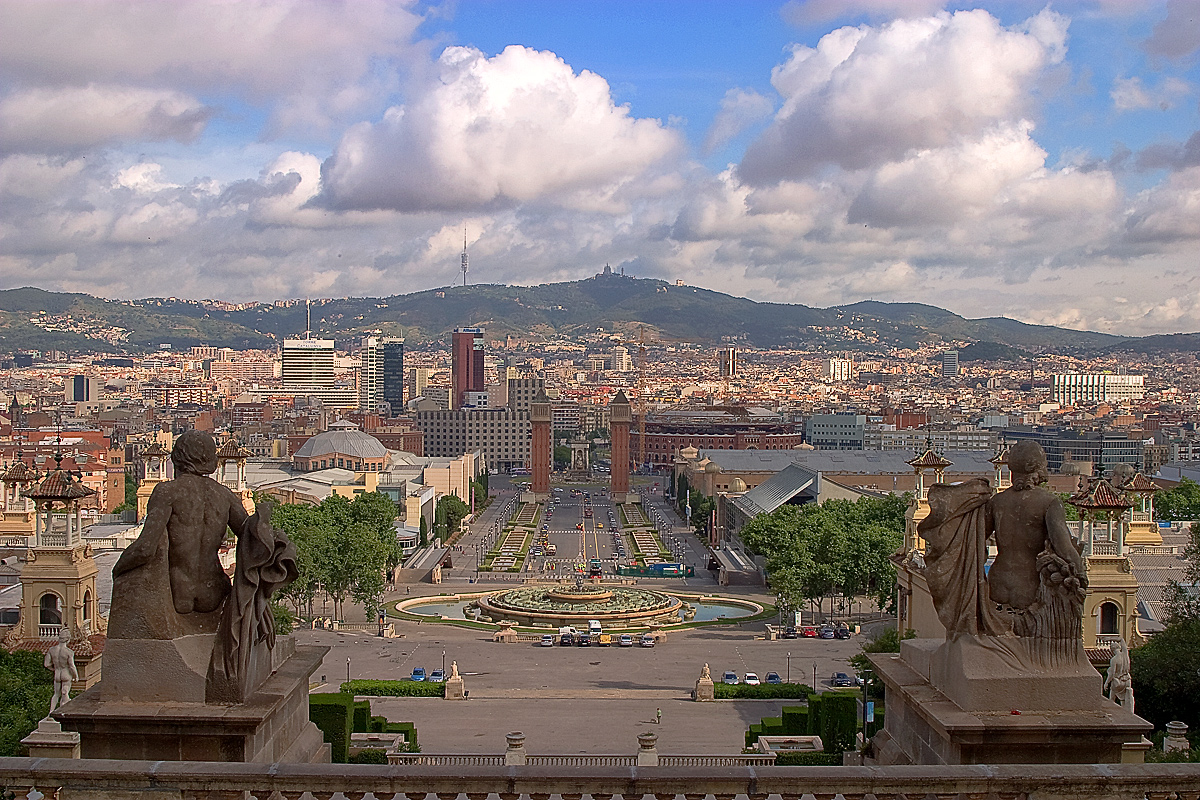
(464, 257)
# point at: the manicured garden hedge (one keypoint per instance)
(832, 715)
(764, 691)
(371, 755)
(374, 688)
(808, 760)
(333, 713)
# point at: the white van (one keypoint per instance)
(594, 627)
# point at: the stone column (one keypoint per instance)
(647, 750)
(1176, 737)
(542, 447)
(620, 418)
(515, 755)
(48, 740)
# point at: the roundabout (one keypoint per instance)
(542, 606)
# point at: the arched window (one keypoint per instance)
(1108, 618)
(49, 610)
(87, 604)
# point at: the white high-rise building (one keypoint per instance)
(307, 363)
(1078, 387)
(838, 369)
(621, 362)
(370, 374)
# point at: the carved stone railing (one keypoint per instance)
(48, 631)
(1105, 549)
(168, 780)
(1140, 516)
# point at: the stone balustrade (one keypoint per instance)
(84, 779)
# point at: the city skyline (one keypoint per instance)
(996, 159)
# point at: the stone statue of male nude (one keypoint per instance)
(61, 659)
(170, 584)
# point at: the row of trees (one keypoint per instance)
(344, 547)
(838, 547)
(1179, 503)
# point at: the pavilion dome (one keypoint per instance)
(345, 441)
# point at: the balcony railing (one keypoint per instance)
(48, 631)
(167, 780)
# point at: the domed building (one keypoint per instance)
(342, 446)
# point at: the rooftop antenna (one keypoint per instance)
(464, 257)
(308, 324)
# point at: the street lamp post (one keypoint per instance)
(347, 669)
(789, 667)
(814, 676)
(443, 663)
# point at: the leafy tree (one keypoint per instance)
(1183, 597)
(1180, 503)
(25, 690)
(702, 508)
(887, 641)
(839, 546)
(1166, 675)
(424, 532)
(449, 515)
(562, 457)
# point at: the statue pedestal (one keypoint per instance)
(924, 725)
(455, 689)
(49, 740)
(271, 726)
(704, 690)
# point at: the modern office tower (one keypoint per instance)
(370, 374)
(82, 389)
(621, 362)
(502, 435)
(621, 417)
(838, 369)
(1076, 387)
(727, 362)
(541, 453)
(466, 364)
(393, 374)
(950, 364)
(836, 431)
(418, 379)
(307, 363)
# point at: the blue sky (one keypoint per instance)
(1005, 158)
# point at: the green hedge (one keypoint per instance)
(379, 688)
(795, 720)
(808, 760)
(333, 713)
(832, 715)
(764, 691)
(371, 755)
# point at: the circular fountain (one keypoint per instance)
(558, 605)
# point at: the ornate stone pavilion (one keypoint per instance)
(58, 578)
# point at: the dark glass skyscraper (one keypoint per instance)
(393, 374)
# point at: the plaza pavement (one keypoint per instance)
(573, 699)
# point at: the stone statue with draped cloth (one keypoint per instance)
(1029, 602)
(169, 585)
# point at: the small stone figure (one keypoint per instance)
(454, 670)
(1118, 684)
(705, 674)
(61, 659)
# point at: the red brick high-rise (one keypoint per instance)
(541, 452)
(621, 416)
(466, 364)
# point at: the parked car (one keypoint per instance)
(828, 632)
(418, 674)
(751, 679)
(773, 678)
(842, 679)
(604, 639)
(647, 640)
(566, 640)
(788, 633)
(584, 640)
(731, 678)
(808, 632)
(842, 633)
(547, 640)
(437, 676)
(625, 640)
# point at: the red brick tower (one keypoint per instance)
(466, 364)
(621, 416)
(542, 449)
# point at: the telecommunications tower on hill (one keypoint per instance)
(464, 257)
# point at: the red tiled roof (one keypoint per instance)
(59, 485)
(90, 647)
(930, 459)
(231, 449)
(19, 472)
(1140, 483)
(1100, 494)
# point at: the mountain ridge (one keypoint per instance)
(33, 318)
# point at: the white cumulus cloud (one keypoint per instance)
(864, 96)
(516, 127)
